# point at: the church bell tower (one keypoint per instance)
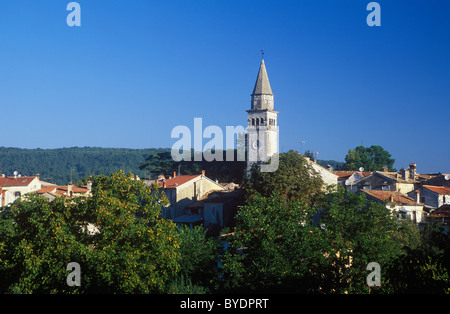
(262, 124)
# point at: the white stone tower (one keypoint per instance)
(262, 125)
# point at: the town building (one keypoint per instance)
(14, 187)
(181, 191)
(432, 196)
(328, 177)
(217, 209)
(406, 207)
(348, 178)
(442, 179)
(50, 192)
(385, 181)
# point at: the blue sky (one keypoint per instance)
(136, 69)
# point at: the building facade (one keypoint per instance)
(262, 121)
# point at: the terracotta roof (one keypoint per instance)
(348, 173)
(61, 190)
(438, 189)
(343, 174)
(391, 197)
(47, 189)
(442, 212)
(177, 181)
(396, 176)
(16, 181)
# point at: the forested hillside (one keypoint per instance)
(63, 165)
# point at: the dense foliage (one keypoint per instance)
(373, 158)
(281, 245)
(131, 250)
(291, 236)
(294, 179)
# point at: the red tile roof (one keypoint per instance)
(61, 190)
(343, 174)
(16, 181)
(442, 212)
(348, 173)
(177, 181)
(391, 197)
(438, 189)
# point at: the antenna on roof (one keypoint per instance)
(15, 173)
(361, 169)
(447, 177)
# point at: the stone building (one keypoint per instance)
(12, 188)
(262, 123)
(406, 207)
(182, 191)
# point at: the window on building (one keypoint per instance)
(422, 199)
(385, 187)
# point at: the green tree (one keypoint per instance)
(294, 180)
(280, 245)
(199, 255)
(424, 268)
(358, 232)
(134, 251)
(272, 248)
(373, 158)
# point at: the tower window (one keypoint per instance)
(262, 121)
(253, 121)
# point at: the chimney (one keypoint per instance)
(417, 196)
(391, 198)
(164, 184)
(203, 172)
(174, 174)
(69, 189)
(405, 174)
(89, 186)
(3, 175)
(38, 176)
(412, 171)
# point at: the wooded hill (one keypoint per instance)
(65, 165)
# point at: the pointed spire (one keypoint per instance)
(262, 85)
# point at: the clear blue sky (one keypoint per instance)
(136, 69)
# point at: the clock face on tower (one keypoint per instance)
(256, 144)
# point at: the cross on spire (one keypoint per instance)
(262, 54)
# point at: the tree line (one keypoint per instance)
(63, 165)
